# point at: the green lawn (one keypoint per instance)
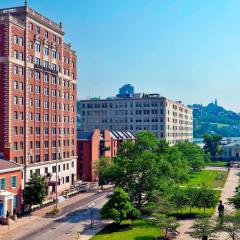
(142, 230)
(208, 178)
(217, 164)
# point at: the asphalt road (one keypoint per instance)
(74, 218)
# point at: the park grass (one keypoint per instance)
(217, 164)
(143, 229)
(208, 178)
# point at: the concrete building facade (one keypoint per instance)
(38, 95)
(167, 119)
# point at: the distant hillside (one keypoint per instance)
(215, 119)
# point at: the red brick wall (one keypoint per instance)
(16, 190)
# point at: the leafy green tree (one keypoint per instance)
(205, 198)
(212, 144)
(133, 214)
(194, 155)
(103, 170)
(235, 201)
(35, 191)
(166, 223)
(179, 199)
(118, 207)
(192, 197)
(203, 228)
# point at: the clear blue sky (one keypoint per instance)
(187, 50)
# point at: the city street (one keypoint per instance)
(74, 218)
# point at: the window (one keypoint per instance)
(46, 157)
(2, 183)
(15, 70)
(37, 89)
(67, 179)
(15, 146)
(31, 59)
(46, 170)
(21, 130)
(54, 168)
(37, 103)
(37, 171)
(21, 56)
(37, 159)
(37, 47)
(37, 131)
(37, 30)
(54, 54)
(54, 80)
(46, 34)
(15, 54)
(54, 37)
(37, 75)
(37, 144)
(30, 87)
(46, 104)
(15, 130)
(46, 144)
(46, 64)
(31, 27)
(15, 100)
(15, 84)
(21, 101)
(21, 86)
(38, 117)
(15, 39)
(46, 131)
(15, 115)
(13, 181)
(21, 71)
(21, 115)
(46, 50)
(37, 61)
(46, 77)
(21, 41)
(46, 118)
(46, 91)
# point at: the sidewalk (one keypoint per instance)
(227, 192)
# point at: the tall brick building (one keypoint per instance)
(38, 95)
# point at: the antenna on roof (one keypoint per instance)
(25, 2)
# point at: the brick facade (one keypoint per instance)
(38, 88)
(91, 146)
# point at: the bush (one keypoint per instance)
(53, 212)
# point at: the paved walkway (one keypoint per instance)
(227, 192)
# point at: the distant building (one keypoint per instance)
(231, 151)
(92, 145)
(126, 90)
(167, 119)
(10, 187)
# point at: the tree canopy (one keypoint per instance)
(212, 144)
(35, 190)
(147, 167)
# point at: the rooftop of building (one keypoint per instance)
(8, 166)
(116, 135)
(16, 11)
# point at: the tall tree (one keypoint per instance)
(35, 191)
(212, 144)
(194, 155)
(118, 207)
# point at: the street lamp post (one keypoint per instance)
(91, 206)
